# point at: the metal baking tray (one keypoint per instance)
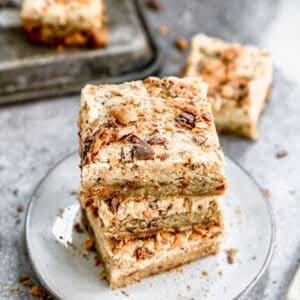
(30, 71)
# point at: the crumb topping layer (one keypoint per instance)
(76, 14)
(154, 119)
(228, 68)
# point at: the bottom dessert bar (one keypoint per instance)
(129, 260)
(134, 217)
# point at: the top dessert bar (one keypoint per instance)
(66, 22)
(153, 137)
(239, 79)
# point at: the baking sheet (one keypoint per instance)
(31, 71)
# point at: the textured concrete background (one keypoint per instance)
(33, 136)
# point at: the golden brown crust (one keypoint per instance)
(48, 35)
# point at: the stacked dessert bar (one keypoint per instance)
(152, 172)
(65, 22)
(239, 79)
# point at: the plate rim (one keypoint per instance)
(241, 295)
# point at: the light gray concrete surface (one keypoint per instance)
(34, 136)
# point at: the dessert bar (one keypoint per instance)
(147, 216)
(129, 260)
(154, 137)
(65, 22)
(239, 79)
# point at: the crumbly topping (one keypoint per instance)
(123, 114)
(186, 119)
(219, 71)
(143, 121)
(141, 150)
(143, 248)
(143, 253)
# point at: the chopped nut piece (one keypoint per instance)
(163, 156)
(200, 139)
(207, 117)
(156, 140)
(24, 279)
(124, 114)
(102, 138)
(142, 151)
(186, 120)
(205, 273)
(181, 44)
(121, 133)
(164, 30)
(143, 253)
(231, 253)
(113, 204)
(281, 153)
(89, 244)
(36, 291)
(154, 4)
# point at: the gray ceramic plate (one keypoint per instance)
(67, 275)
